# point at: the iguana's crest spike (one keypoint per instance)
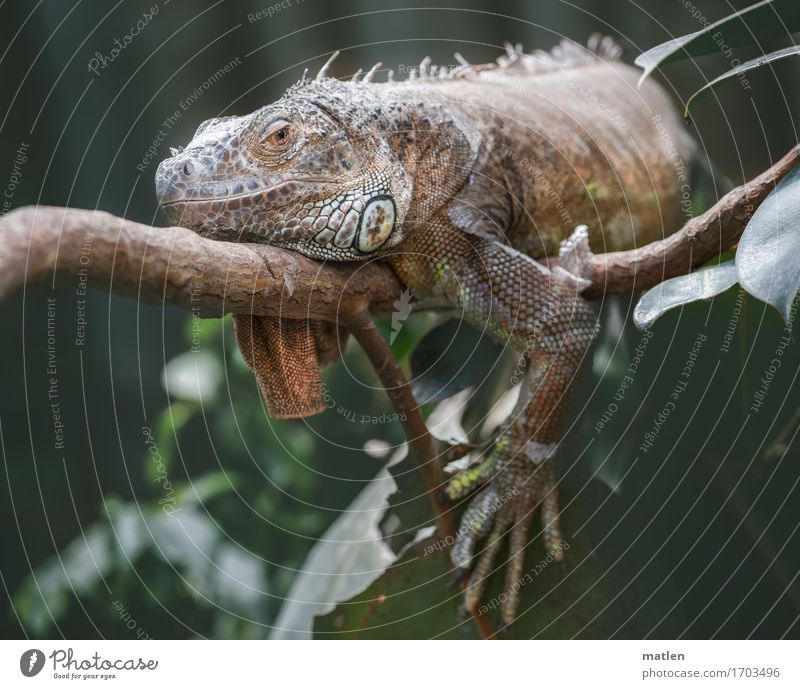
(609, 48)
(569, 50)
(566, 54)
(305, 76)
(423, 66)
(369, 75)
(324, 70)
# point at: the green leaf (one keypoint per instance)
(203, 332)
(345, 560)
(193, 377)
(237, 581)
(768, 257)
(158, 457)
(588, 597)
(218, 573)
(45, 595)
(685, 289)
(451, 357)
(409, 505)
(410, 600)
(205, 488)
(755, 63)
(77, 570)
(764, 20)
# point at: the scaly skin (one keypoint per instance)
(460, 181)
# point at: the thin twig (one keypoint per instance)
(421, 443)
(482, 623)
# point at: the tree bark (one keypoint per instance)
(175, 266)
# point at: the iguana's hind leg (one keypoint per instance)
(541, 314)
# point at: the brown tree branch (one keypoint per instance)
(175, 266)
(700, 240)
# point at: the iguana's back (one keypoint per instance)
(567, 138)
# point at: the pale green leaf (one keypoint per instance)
(349, 556)
(737, 71)
(759, 22)
(193, 376)
(685, 289)
(768, 258)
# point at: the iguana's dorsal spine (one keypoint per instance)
(565, 55)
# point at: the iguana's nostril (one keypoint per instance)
(188, 169)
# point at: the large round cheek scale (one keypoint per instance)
(377, 223)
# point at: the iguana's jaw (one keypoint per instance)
(340, 225)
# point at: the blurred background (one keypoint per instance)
(700, 537)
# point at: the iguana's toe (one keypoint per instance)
(470, 479)
(475, 524)
(507, 505)
(473, 592)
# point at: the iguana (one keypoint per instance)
(460, 179)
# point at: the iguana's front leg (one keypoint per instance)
(540, 313)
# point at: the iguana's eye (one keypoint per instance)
(280, 135)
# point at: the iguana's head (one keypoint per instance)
(301, 173)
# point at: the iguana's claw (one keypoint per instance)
(506, 506)
(460, 575)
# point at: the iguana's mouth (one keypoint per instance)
(249, 193)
